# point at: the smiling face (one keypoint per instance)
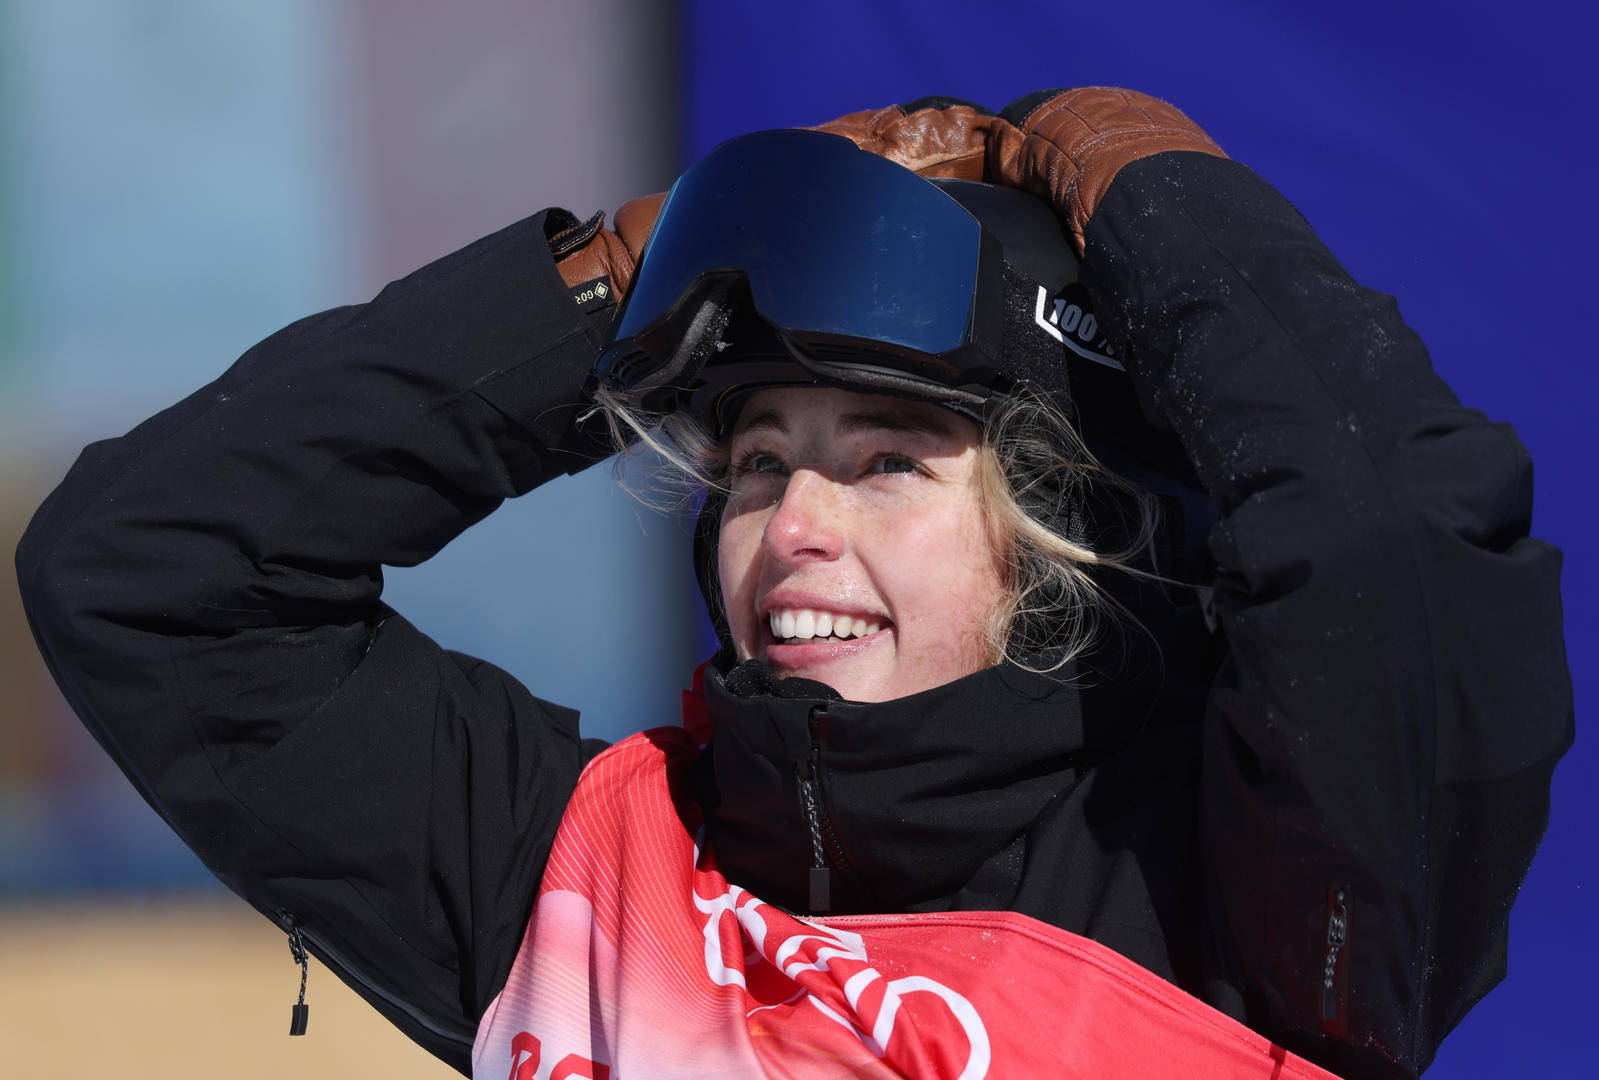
(853, 549)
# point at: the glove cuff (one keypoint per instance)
(1068, 147)
(587, 251)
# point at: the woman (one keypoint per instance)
(1037, 871)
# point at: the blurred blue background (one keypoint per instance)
(181, 178)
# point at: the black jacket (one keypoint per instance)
(1375, 747)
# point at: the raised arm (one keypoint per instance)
(205, 590)
(1380, 741)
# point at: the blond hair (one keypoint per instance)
(1034, 477)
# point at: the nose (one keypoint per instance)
(805, 526)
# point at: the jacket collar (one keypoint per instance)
(915, 794)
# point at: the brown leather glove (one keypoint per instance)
(1068, 145)
(933, 136)
(586, 251)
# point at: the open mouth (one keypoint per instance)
(809, 626)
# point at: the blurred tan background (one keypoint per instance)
(179, 180)
(155, 989)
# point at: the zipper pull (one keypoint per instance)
(1337, 936)
(809, 775)
(821, 875)
(301, 1012)
(821, 890)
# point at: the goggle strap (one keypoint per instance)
(659, 391)
(1031, 354)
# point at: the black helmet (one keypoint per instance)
(795, 258)
(792, 257)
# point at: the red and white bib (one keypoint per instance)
(641, 962)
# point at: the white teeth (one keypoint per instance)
(804, 624)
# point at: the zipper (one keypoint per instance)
(300, 1015)
(353, 978)
(827, 852)
(1332, 1003)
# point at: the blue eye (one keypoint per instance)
(894, 463)
(759, 461)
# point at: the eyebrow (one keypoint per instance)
(894, 421)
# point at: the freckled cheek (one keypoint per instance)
(945, 583)
(737, 563)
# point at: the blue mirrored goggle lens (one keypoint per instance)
(833, 240)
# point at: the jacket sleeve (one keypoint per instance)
(1379, 743)
(205, 590)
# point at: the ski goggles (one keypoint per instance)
(794, 257)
